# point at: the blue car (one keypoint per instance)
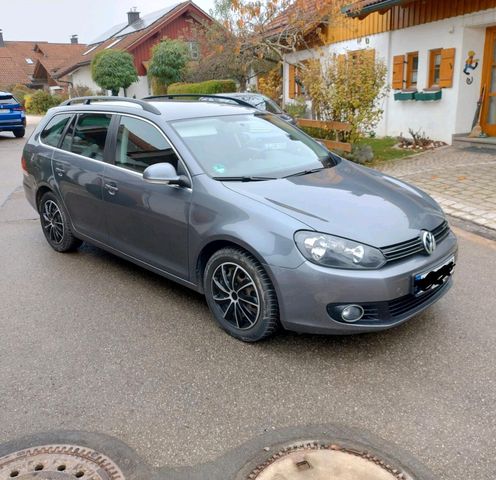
(12, 116)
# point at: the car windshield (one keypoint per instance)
(250, 145)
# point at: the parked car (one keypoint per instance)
(263, 103)
(239, 205)
(12, 115)
(245, 99)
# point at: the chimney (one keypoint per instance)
(133, 16)
(2, 43)
(74, 40)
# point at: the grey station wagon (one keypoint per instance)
(237, 204)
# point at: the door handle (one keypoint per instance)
(111, 189)
(60, 171)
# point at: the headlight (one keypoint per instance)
(330, 251)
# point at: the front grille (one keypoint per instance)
(385, 313)
(414, 246)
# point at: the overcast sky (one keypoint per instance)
(57, 20)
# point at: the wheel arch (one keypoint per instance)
(217, 244)
(42, 189)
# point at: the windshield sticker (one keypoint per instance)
(219, 168)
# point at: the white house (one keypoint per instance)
(440, 56)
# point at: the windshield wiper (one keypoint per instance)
(243, 179)
(305, 172)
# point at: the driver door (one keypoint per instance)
(148, 222)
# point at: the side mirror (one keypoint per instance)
(165, 174)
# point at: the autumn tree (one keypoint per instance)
(223, 55)
(348, 88)
(272, 29)
(113, 70)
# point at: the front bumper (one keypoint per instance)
(304, 293)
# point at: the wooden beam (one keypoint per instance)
(340, 126)
(334, 145)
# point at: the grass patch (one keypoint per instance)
(384, 149)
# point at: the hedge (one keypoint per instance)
(208, 87)
(40, 101)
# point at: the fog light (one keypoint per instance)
(352, 313)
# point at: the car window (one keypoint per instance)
(67, 141)
(272, 106)
(52, 133)
(140, 144)
(8, 100)
(250, 145)
(87, 136)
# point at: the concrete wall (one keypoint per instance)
(82, 76)
(139, 89)
(454, 113)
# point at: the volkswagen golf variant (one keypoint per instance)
(274, 229)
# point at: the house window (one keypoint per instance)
(300, 89)
(29, 61)
(412, 69)
(194, 50)
(435, 67)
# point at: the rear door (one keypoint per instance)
(78, 166)
(148, 222)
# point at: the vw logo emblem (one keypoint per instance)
(429, 241)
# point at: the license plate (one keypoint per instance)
(423, 282)
(4, 110)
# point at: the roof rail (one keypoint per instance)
(89, 100)
(200, 96)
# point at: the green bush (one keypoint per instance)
(298, 108)
(204, 88)
(40, 101)
(20, 92)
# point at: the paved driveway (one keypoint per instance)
(91, 342)
(463, 181)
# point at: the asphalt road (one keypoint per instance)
(91, 342)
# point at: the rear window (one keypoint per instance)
(52, 133)
(8, 100)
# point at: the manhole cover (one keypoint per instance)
(58, 462)
(318, 461)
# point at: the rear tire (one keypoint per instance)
(20, 133)
(240, 295)
(55, 224)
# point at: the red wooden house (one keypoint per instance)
(138, 36)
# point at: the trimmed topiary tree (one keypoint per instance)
(113, 70)
(168, 63)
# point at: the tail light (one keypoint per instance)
(24, 164)
(18, 109)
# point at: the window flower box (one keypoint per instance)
(429, 95)
(404, 96)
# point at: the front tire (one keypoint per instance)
(55, 224)
(20, 133)
(240, 295)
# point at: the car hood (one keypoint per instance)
(350, 201)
